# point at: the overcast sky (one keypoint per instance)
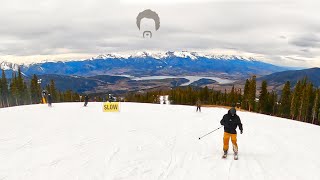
(283, 32)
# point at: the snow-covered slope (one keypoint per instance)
(150, 142)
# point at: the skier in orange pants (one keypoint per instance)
(230, 122)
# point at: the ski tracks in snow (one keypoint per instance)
(116, 151)
(166, 172)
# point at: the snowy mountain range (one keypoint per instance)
(172, 54)
(151, 64)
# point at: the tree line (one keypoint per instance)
(301, 102)
(16, 91)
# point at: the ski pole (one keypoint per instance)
(209, 133)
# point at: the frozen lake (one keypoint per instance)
(190, 78)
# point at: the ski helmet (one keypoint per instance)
(233, 111)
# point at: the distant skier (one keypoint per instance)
(198, 104)
(44, 95)
(49, 100)
(230, 122)
(86, 100)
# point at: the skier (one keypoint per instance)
(49, 100)
(44, 94)
(86, 100)
(230, 122)
(198, 104)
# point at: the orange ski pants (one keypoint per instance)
(226, 139)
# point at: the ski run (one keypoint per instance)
(150, 142)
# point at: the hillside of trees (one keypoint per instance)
(299, 103)
(16, 91)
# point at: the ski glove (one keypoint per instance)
(241, 131)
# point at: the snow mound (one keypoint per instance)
(147, 142)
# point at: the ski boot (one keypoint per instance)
(235, 155)
(225, 154)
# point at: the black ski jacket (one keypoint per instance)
(86, 99)
(49, 99)
(231, 123)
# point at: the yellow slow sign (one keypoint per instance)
(111, 107)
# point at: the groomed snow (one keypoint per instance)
(150, 142)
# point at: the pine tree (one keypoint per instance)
(285, 100)
(315, 107)
(295, 100)
(293, 106)
(232, 97)
(263, 97)
(225, 97)
(14, 93)
(4, 90)
(27, 94)
(21, 89)
(252, 93)
(190, 97)
(307, 104)
(205, 94)
(35, 90)
(304, 100)
(53, 90)
(61, 97)
(274, 103)
(239, 97)
(245, 100)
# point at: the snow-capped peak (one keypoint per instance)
(180, 54)
(155, 55)
(111, 56)
(141, 54)
(186, 54)
(9, 66)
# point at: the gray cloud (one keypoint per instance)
(270, 28)
(307, 40)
